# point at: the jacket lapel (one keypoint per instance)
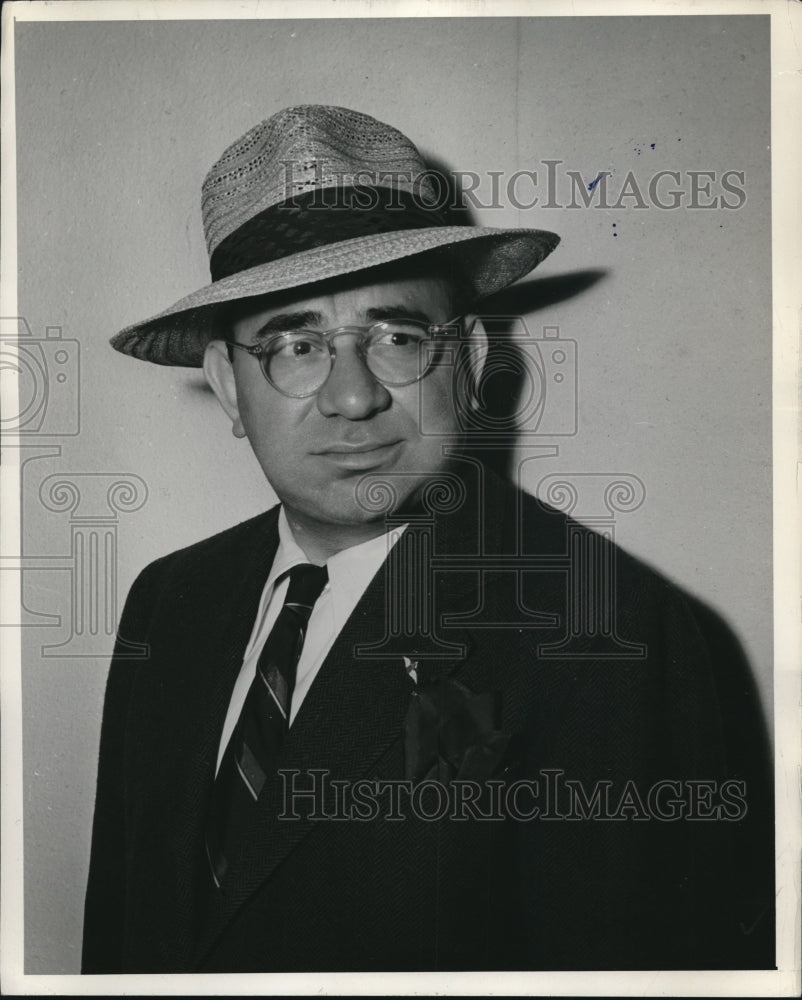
(232, 587)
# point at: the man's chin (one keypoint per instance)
(375, 496)
(366, 501)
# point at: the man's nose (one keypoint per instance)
(351, 391)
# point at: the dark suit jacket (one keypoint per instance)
(550, 893)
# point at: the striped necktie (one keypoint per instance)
(251, 756)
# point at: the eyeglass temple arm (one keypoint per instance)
(446, 327)
(255, 349)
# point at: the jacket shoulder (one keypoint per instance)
(223, 545)
(548, 530)
(200, 571)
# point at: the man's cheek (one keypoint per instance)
(436, 417)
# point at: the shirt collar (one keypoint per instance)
(288, 554)
(350, 570)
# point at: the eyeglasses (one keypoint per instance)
(396, 352)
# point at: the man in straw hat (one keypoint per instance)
(380, 727)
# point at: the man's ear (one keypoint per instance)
(477, 354)
(219, 374)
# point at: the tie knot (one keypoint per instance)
(306, 585)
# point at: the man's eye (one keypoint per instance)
(295, 347)
(409, 339)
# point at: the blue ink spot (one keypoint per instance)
(652, 145)
(679, 140)
(595, 180)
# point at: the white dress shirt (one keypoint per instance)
(350, 572)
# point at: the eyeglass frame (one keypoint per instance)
(328, 336)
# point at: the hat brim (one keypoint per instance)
(489, 259)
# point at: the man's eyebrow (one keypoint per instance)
(289, 321)
(285, 322)
(378, 313)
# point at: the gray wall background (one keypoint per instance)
(117, 124)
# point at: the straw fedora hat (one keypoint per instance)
(313, 193)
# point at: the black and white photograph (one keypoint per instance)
(400, 554)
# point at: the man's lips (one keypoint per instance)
(359, 456)
(351, 448)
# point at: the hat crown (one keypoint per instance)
(301, 149)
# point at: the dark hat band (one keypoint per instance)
(317, 218)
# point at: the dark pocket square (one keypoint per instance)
(451, 732)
